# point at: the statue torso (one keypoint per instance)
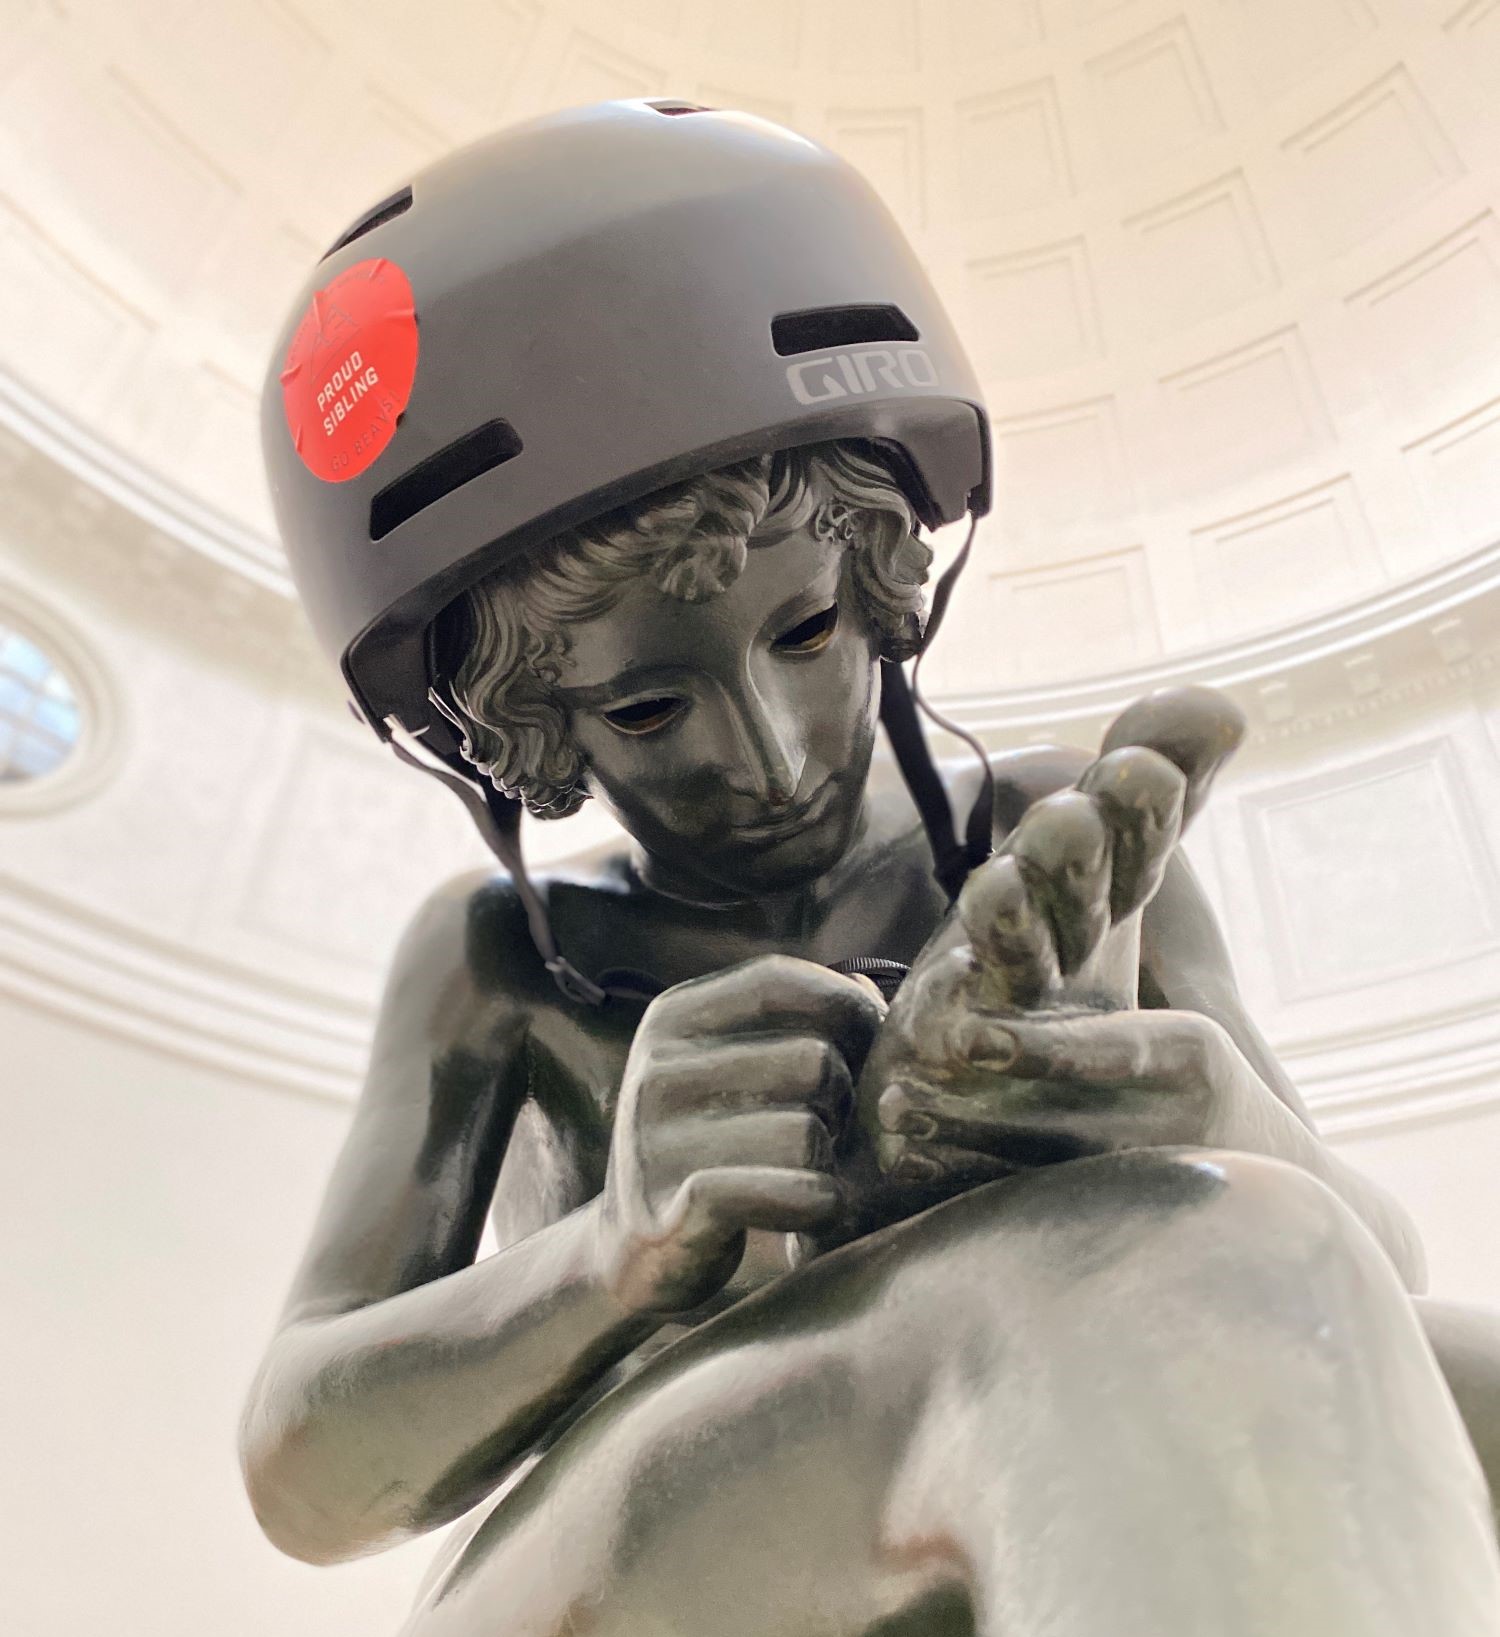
(882, 900)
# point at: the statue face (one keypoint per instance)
(731, 737)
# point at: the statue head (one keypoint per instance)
(702, 661)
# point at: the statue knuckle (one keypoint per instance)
(663, 1085)
(894, 1104)
(779, 976)
(837, 1077)
(870, 1012)
(811, 1145)
(1140, 773)
(1205, 1045)
(818, 1062)
(661, 1014)
(696, 1199)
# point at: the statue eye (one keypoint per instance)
(643, 716)
(809, 635)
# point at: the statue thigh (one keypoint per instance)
(1156, 1392)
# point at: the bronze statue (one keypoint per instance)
(1027, 1304)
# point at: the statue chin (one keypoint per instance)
(696, 860)
(786, 861)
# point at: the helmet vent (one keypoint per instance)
(466, 458)
(819, 327)
(674, 107)
(372, 218)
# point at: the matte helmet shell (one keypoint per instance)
(604, 283)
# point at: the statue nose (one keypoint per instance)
(771, 754)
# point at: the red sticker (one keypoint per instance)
(349, 369)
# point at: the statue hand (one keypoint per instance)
(1015, 1041)
(736, 1087)
(1063, 1086)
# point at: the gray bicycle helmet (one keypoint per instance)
(563, 318)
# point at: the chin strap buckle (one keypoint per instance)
(498, 819)
(900, 701)
(574, 985)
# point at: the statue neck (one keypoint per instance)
(777, 914)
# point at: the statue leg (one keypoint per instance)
(1212, 1409)
(1466, 1341)
(1155, 1394)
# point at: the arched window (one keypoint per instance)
(60, 714)
(40, 720)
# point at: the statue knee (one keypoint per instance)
(1150, 1218)
(1191, 1211)
(1252, 1213)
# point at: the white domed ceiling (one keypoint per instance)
(1230, 269)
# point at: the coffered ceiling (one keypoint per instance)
(1230, 269)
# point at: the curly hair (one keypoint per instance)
(690, 540)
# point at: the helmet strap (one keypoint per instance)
(497, 817)
(900, 701)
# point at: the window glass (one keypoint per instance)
(39, 718)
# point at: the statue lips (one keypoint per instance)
(790, 820)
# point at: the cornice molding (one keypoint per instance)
(146, 493)
(65, 532)
(1431, 631)
(188, 1004)
(177, 999)
(1421, 598)
(1443, 626)
(1416, 1071)
(1434, 632)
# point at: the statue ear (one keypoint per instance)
(905, 642)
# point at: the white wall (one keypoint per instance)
(152, 1213)
(1445, 1174)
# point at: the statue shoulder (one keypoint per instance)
(477, 924)
(1022, 776)
(466, 948)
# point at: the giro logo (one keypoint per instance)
(859, 370)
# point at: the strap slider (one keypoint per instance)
(574, 985)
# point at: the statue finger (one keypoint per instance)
(905, 1159)
(715, 1203)
(734, 1075)
(1010, 934)
(772, 992)
(1021, 1125)
(1112, 1050)
(790, 1139)
(1140, 795)
(940, 1117)
(1196, 729)
(1062, 849)
(1030, 1123)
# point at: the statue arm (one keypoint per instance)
(1185, 965)
(1185, 969)
(404, 1378)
